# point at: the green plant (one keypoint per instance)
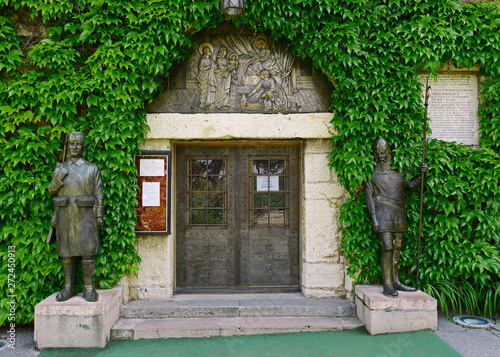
(462, 297)
(93, 68)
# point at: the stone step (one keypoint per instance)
(126, 329)
(237, 305)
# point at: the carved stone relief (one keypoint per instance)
(233, 71)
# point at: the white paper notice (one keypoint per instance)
(268, 183)
(151, 167)
(150, 194)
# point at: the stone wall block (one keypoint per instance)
(321, 235)
(157, 144)
(319, 146)
(322, 275)
(155, 278)
(323, 190)
(316, 168)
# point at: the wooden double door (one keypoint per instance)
(237, 218)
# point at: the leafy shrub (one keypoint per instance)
(94, 67)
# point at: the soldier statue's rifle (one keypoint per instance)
(426, 104)
(52, 236)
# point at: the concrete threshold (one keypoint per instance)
(232, 315)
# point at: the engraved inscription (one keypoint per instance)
(453, 105)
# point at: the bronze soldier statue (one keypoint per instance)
(385, 199)
(78, 216)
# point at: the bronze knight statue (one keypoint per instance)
(385, 199)
(78, 216)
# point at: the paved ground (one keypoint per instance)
(470, 342)
(23, 343)
(467, 342)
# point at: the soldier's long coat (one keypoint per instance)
(77, 199)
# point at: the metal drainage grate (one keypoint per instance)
(472, 321)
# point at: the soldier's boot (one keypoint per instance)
(398, 285)
(69, 268)
(387, 273)
(88, 269)
(386, 246)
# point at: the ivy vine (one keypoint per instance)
(93, 65)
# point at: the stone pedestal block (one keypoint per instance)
(77, 322)
(410, 311)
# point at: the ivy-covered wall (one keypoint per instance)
(91, 66)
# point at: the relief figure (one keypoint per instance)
(222, 79)
(206, 76)
(270, 92)
(242, 64)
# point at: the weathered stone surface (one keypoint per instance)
(77, 322)
(322, 250)
(323, 190)
(230, 305)
(126, 329)
(348, 283)
(316, 168)
(317, 146)
(372, 297)
(382, 314)
(318, 217)
(296, 308)
(323, 293)
(320, 232)
(157, 144)
(239, 126)
(180, 309)
(155, 277)
(322, 275)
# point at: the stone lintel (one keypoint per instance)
(230, 126)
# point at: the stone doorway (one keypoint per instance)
(237, 218)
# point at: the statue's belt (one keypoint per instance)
(80, 201)
(389, 201)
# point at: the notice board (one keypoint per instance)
(153, 195)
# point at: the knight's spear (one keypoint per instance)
(426, 104)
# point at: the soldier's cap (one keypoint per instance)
(76, 136)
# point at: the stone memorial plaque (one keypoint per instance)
(453, 105)
(232, 70)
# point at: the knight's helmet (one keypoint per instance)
(381, 145)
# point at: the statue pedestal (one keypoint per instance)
(410, 311)
(77, 322)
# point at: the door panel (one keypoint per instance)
(237, 217)
(204, 247)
